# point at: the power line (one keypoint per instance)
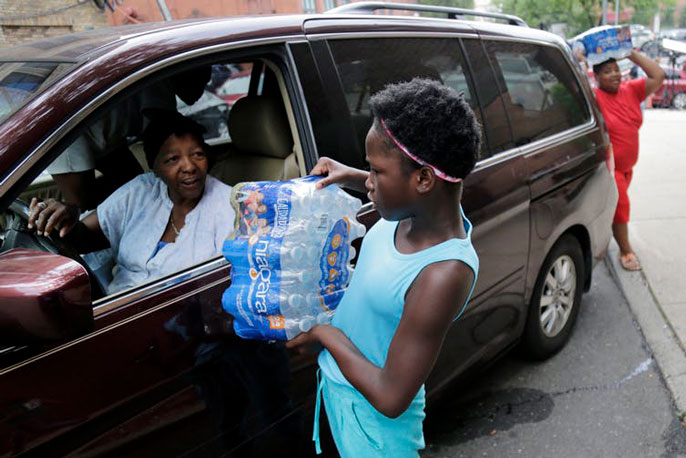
(43, 13)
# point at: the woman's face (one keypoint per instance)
(182, 165)
(609, 78)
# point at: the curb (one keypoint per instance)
(662, 340)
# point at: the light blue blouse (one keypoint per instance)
(135, 216)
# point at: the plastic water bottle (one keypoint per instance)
(307, 252)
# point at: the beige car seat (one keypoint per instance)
(262, 144)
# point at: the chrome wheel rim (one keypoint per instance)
(557, 296)
(679, 101)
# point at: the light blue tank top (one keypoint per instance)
(372, 306)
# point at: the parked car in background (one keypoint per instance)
(672, 92)
(156, 370)
(674, 34)
(640, 35)
(235, 87)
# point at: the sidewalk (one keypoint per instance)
(657, 231)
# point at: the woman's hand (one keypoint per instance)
(335, 172)
(51, 214)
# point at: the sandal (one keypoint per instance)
(629, 262)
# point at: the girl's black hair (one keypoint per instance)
(598, 67)
(163, 124)
(433, 121)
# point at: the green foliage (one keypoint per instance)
(579, 15)
(453, 3)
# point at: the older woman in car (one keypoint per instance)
(161, 221)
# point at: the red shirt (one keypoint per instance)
(623, 117)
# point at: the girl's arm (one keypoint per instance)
(336, 172)
(655, 75)
(432, 302)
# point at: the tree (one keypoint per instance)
(579, 15)
(453, 3)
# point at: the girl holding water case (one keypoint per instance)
(415, 274)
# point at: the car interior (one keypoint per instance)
(252, 137)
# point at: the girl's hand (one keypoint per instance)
(335, 172)
(305, 342)
(338, 173)
(51, 214)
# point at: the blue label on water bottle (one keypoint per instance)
(333, 263)
(262, 216)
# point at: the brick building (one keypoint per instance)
(127, 11)
(27, 20)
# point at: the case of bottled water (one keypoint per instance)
(290, 254)
(602, 43)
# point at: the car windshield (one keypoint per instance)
(19, 81)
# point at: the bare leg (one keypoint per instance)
(620, 231)
(627, 257)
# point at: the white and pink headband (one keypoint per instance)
(439, 173)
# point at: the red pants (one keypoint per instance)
(622, 212)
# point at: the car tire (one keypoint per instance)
(679, 101)
(555, 300)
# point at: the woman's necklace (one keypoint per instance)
(171, 219)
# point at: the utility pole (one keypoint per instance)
(604, 21)
(616, 12)
(165, 11)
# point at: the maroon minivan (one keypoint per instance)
(155, 370)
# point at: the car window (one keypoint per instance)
(496, 125)
(365, 66)
(540, 92)
(228, 83)
(249, 130)
(19, 81)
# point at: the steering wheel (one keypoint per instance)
(15, 233)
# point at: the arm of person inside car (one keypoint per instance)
(51, 215)
(655, 75)
(432, 302)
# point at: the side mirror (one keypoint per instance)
(43, 297)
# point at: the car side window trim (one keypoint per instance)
(62, 131)
(469, 71)
(114, 301)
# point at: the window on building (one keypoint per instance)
(309, 6)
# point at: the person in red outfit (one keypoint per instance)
(620, 103)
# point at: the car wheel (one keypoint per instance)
(679, 101)
(555, 301)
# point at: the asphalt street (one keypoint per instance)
(601, 396)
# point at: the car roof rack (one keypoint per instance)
(452, 13)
